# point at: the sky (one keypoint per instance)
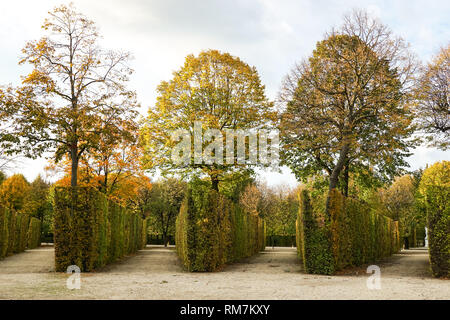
(271, 35)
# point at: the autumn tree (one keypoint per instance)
(164, 205)
(37, 203)
(107, 167)
(122, 183)
(8, 158)
(250, 199)
(347, 106)
(76, 93)
(140, 203)
(14, 192)
(400, 200)
(113, 165)
(279, 211)
(433, 94)
(2, 177)
(217, 89)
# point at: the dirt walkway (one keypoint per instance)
(155, 273)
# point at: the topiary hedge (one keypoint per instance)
(211, 231)
(313, 245)
(15, 230)
(34, 233)
(354, 235)
(435, 190)
(91, 231)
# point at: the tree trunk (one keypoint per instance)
(346, 177)
(334, 178)
(164, 239)
(215, 182)
(74, 156)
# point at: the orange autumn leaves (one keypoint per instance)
(117, 173)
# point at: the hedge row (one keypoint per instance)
(17, 232)
(212, 231)
(435, 189)
(353, 235)
(91, 231)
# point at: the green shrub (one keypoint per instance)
(355, 235)
(435, 190)
(211, 230)
(91, 231)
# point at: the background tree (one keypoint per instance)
(122, 183)
(433, 90)
(14, 192)
(400, 202)
(37, 203)
(75, 95)
(250, 198)
(347, 106)
(216, 88)
(141, 200)
(164, 205)
(279, 206)
(2, 177)
(113, 165)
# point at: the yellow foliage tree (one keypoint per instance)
(14, 192)
(218, 89)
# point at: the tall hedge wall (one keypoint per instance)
(17, 232)
(91, 231)
(435, 190)
(34, 233)
(354, 235)
(211, 231)
(313, 234)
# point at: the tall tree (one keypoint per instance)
(433, 93)
(76, 93)
(215, 88)
(347, 105)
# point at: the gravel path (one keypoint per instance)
(155, 273)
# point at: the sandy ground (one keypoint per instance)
(155, 273)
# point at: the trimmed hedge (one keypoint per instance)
(313, 245)
(435, 190)
(91, 231)
(212, 231)
(15, 232)
(34, 233)
(354, 235)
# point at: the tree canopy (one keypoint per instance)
(218, 89)
(433, 94)
(347, 106)
(75, 95)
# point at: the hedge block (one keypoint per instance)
(91, 231)
(212, 231)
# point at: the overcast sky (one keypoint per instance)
(269, 34)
